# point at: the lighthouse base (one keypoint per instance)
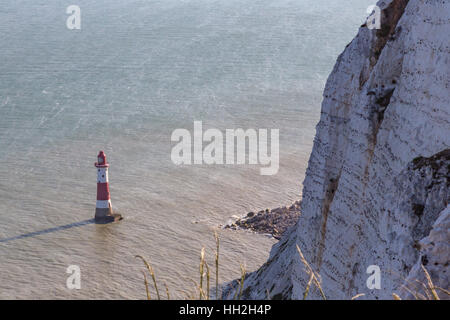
(105, 215)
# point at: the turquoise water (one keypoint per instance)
(136, 71)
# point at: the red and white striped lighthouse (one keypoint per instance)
(103, 209)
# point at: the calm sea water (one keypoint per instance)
(136, 71)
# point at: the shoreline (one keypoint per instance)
(273, 222)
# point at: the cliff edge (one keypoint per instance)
(376, 187)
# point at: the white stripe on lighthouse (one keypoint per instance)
(102, 175)
(103, 204)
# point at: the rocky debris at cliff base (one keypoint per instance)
(274, 222)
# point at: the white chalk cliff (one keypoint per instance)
(376, 190)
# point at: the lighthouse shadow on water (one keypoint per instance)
(49, 230)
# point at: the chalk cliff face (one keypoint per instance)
(376, 187)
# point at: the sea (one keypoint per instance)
(134, 72)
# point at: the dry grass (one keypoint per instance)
(358, 295)
(167, 291)
(146, 286)
(431, 286)
(202, 288)
(429, 290)
(216, 236)
(396, 296)
(202, 274)
(152, 273)
(313, 277)
(238, 293)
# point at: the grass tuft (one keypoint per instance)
(216, 236)
(203, 292)
(150, 269)
(313, 277)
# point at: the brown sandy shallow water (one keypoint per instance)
(66, 95)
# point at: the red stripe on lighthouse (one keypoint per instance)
(103, 191)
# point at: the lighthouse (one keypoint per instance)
(103, 209)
